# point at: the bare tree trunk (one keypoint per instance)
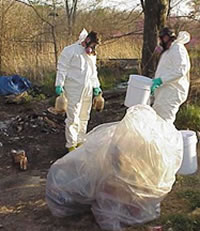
(53, 33)
(155, 14)
(164, 8)
(71, 8)
(52, 24)
(1, 43)
(54, 44)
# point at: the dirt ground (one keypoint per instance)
(40, 134)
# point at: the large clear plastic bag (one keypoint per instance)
(122, 172)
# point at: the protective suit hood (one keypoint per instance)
(183, 37)
(82, 35)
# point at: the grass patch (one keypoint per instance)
(48, 84)
(189, 180)
(188, 117)
(180, 222)
(191, 196)
(110, 76)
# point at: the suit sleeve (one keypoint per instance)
(94, 78)
(63, 65)
(179, 64)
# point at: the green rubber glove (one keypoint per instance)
(97, 91)
(59, 90)
(156, 83)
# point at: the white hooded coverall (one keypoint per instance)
(77, 72)
(173, 69)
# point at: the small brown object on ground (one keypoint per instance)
(19, 158)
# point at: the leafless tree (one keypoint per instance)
(155, 14)
(71, 11)
(5, 6)
(51, 22)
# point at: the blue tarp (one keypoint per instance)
(13, 85)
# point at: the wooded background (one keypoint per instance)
(33, 32)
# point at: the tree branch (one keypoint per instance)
(29, 5)
(113, 37)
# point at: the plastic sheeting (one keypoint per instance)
(13, 85)
(122, 172)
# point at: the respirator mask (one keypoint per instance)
(90, 48)
(170, 34)
(90, 43)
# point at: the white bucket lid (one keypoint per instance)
(140, 81)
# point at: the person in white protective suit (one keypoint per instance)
(171, 82)
(77, 77)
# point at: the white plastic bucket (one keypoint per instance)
(138, 91)
(189, 164)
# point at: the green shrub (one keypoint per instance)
(107, 77)
(188, 117)
(48, 84)
(110, 76)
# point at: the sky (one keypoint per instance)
(180, 9)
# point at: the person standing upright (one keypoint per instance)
(77, 77)
(172, 77)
